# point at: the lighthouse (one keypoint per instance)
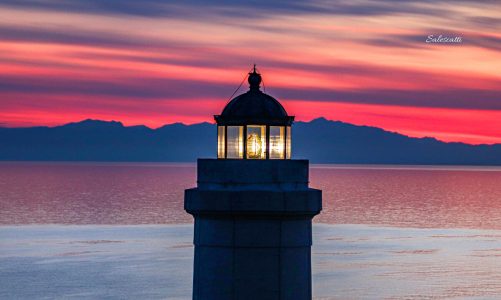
(252, 206)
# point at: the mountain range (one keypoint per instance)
(321, 141)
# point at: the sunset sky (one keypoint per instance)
(156, 62)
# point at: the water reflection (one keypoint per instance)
(410, 197)
(94, 193)
(104, 193)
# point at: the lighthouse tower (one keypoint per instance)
(252, 206)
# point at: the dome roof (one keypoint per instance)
(254, 104)
(254, 107)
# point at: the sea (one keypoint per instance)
(118, 231)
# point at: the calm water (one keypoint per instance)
(79, 193)
(155, 262)
(386, 232)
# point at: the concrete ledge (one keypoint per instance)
(300, 202)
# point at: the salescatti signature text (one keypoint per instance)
(441, 39)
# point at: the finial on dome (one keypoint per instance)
(254, 79)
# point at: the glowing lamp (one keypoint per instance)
(254, 146)
(254, 125)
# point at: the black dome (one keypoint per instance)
(254, 107)
(254, 104)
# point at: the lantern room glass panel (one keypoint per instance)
(256, 141)
(277, 142)
(234, 142)
(220, 142)
(288, 147)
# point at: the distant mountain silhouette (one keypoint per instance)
(320, 140)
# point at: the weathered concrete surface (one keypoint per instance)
(252, 229)
(252, 174)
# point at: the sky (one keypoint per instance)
(156, 62)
